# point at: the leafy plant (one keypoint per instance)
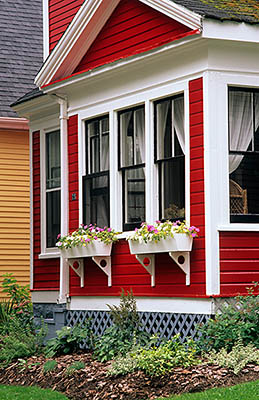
(25, 364)
(123, 365)
(76, 366)
(49, 366)
(86, 235)
(69, 340)
(233, 323)
(161, 230)
(125, 331)
(237, 358)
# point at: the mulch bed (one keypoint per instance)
(92, 382)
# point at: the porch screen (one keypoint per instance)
(169, 155)
(96, 180)
(243, 155)
(132, 165)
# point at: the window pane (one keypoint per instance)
(244, 188)
(105, 153)
(126, 138)
(240, 123)
(52, 160)
(53, 217)
(96, 200)
(164, 129)
(134, 186)
(139, 136)
(172, 188)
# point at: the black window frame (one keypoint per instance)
(89, 177)
(165, 160)
(242, 218)
(128, 226)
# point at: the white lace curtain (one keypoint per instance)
(127, 157)
(241, 124)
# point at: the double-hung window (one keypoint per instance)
(243, 155)
(132, 165)
(52, 145)
(169, 155)
(96, 180)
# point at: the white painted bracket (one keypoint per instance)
(150, 267)
(79, 270)
(105, 264)
(182, 259)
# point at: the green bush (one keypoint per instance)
(157, 360)
(76, 366)
(69, 340)
(124, 333)
(237, 358)
(49, 366)
(233, 324)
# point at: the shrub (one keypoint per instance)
(49, 366)
(123, 365)
(125, 331)
(237, 358)
(233, 324)
(69, 340)
(76, 366)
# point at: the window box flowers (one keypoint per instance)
(162, 237)
(87, 241)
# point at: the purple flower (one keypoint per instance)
(96, 238)
(158, 222)
(109, 229)
(156, 231)
(193, 234)
(87, 240)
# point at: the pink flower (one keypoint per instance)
(194, 234)
(109, 229)
(87, 240)
(59, 235)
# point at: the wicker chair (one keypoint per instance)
(238, 198)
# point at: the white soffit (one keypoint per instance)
(230, 30)
(86, 25)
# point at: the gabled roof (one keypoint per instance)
(20, 49)
(233, 10)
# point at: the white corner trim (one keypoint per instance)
(86, 25)
(44, 296)
(31, 209)
(45, 15)
(148, 304)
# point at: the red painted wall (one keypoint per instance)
(132, 28)
(61, 13)
(45, 272)
(239, 261)
(170, 280)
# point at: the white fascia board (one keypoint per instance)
(229, 30)
(176, 12)
(45, 12)
(86, 25)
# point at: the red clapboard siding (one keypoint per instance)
(61, 13)
(239, 261)
(132, 28)
(45, 272)
(73, 172)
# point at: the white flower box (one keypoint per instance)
(93, 249)
(180, 242)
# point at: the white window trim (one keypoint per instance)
(46, 252)
(112, 108)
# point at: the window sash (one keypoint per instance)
(97, 145)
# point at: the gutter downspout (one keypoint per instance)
(64, 197)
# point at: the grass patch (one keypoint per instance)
(29, 393)
(243, 391)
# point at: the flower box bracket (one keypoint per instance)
(148, 262)
(77, 265)
(104, 263)
(182, 259)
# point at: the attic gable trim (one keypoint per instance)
(176, 12)
(78, 30)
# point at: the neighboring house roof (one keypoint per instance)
(21, 49)
(36, 92)
(235, 10)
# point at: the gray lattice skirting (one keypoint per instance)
(163, 324)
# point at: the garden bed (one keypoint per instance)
(92, 382)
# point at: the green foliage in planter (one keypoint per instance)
(69, 340)
(157, 360)
(233, 324)
(237, 358)
(125, 331)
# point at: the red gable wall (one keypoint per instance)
(61, 13)
(132, 28)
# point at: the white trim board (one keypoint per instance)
(44, 296)
(148, 304)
